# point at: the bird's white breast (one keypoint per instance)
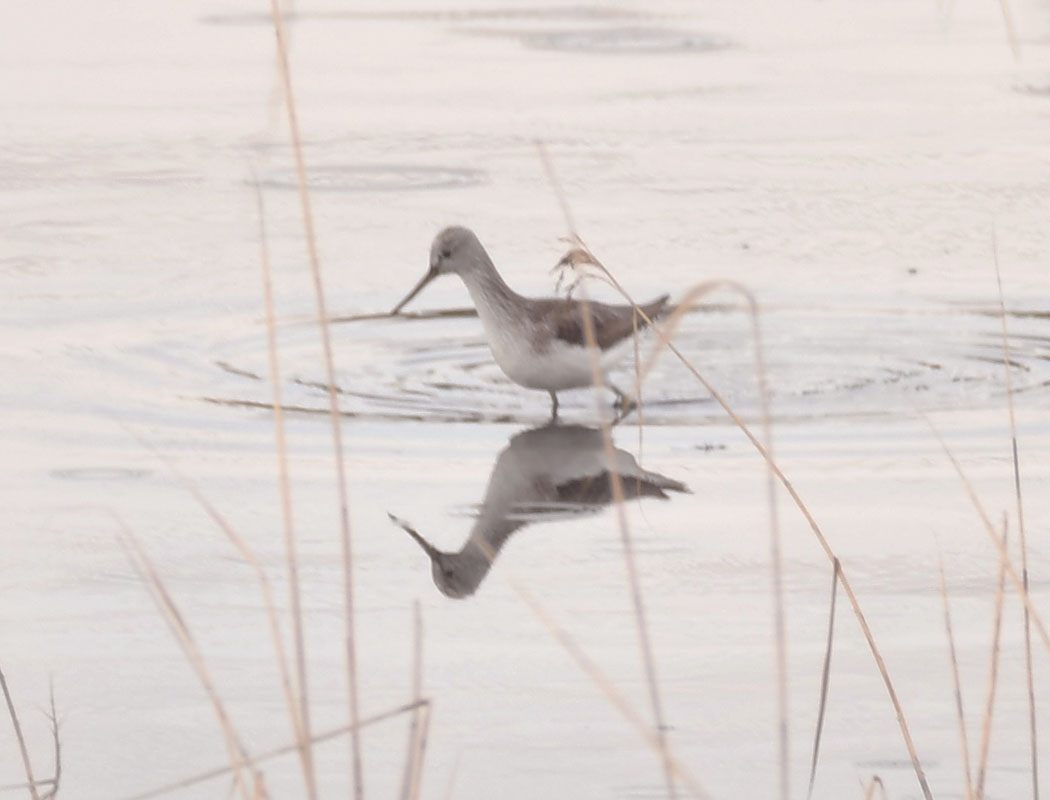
(513, 341)
(528, 359)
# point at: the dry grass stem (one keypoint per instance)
(24, 787)
(299, 710)
(1008, 567)
(452, 775)
(964, 742)
(664, 341)
(825, 679)
(779, 620)
(269, 602)
(56, 741)
(593, 672)
(333, 395)
(634, 580)
(32, 785)
(27, 764)
(143, 565)
(1033, 737)
(1011, 37)
(776, 559)
(616, 483)
(993, 673)
(408, 778)
(658, 744)
(780, 631)
(420, 751)
(277, 752)
(636, 344)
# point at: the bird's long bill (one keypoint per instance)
(431, 274)
(428, 548)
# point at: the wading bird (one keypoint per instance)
(546, 473)
(540, 343)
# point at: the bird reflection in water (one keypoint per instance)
(543, 474)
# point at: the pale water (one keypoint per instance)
(847, 161)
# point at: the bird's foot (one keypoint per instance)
(624, 405)
(624, 402)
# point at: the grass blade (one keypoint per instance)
(595, 674)
(408, 778)
(269, 603)
(616, 484)
(56, 740)
(1015, 48)
(143, 565)
(964, 742)
(27, 764)
(320, 738)
(333, 395)
(1033, 736)
(301, 709)
(989, 528)
(665, 342)
(993, 673)
(452, 775)
(825, 679)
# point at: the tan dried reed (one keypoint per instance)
(1033, 734)
(333, 395)
(299, 710)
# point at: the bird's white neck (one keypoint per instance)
(496, 302)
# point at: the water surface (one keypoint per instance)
(848, 162)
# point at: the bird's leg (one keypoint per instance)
(624, 401)
(554, 406)
(620, 415)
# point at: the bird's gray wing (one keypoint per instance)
(612, 323)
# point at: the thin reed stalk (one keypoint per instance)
(333, 395)
(56, 740)
(143, 565)
(408, 778)
(420, 752)
(776, 558)
(964, 742)
(320, 738)
(301, 709)
(593, 672)
(452, 776)
(636, 344)
(266, 589)
(616, 483)
(825, 680)
(1033, 737)
(27, 764)
(1011, 37)
(989, 528)
(599, 678)
(993, 672)
(664, 341)
(24, 787)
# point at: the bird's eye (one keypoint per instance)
(446, 253)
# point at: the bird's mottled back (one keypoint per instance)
(612, 323)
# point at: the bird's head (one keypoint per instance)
(452, 574)
(456, 250)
